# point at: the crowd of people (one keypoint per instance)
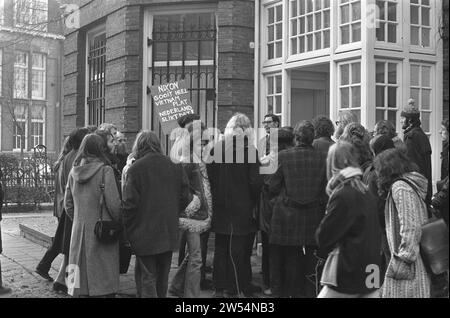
(341, 204)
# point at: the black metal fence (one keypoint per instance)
(27, 180)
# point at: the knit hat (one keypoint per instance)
(411, 110)
(186, 119)
(381, 143)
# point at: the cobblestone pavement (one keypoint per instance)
(20, 257)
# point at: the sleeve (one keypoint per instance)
(407, 203)
(186, 195)
(68, 198)
(334, 226)
(112, 195)
(131, 198)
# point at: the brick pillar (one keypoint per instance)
(236, 59)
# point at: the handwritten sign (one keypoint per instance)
(172, 102)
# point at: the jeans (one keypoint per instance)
(186, 282)
(152, 275)
(54, 250)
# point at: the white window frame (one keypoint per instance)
(265, 35)
(387, 22)
(350, 86)
(23, 118)
(350, 23)
(422, 88)
(315, 31)
(41, 70)
(274, 93)
(33, 21)
(431, 27)
(2, 13)
(386, 85)
(22, 68)
(1, 71)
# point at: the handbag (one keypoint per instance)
(434, 246)
(434, 242)
(106, 231)
(329, 272)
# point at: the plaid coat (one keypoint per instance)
(300, 184)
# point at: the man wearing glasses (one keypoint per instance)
(271, 121)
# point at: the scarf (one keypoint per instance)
(349, 174)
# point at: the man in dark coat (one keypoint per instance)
(235, 189)
(323, 130)
(3, 290)
(418, 147)
(300, 185)
(156, 190)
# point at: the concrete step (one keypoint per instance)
(35, 236)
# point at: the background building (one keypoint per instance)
(122, 47)
(31, 44)
(318, 57)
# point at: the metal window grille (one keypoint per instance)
(184, 47)
(96, 84)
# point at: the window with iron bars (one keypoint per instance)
(96, 78)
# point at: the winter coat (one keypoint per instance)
(299, 183)
(202, 199)
(61, 177)
(418, 149)
(323, 144)
(155, 191)
(444, 163)
(235, 187)
(98, 263)
(351, 223)
(406, 213)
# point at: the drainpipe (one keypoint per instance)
(256, 70)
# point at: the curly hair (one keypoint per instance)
(323, 127)
(390, 165)
(445, 124)
(385, 127)
(359, 137)
(304, 133)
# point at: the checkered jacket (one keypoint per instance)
(300, 206)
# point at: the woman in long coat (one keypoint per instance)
(93, 266)
(405, 213)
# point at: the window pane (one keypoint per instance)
(302, 7)
(294, 48)
(426, 76)
(279, 13)
(380, 96)
(271, 31)
(302, 44)
(294, 27)
(318, 41)
(318, 18)
(380, 78)
(270, 105)
(415, 94)
(415, 75)
(310, 23)
(345, 14)
(345, 74)
(326, 39)
(392, 12)
(278, 84)
(379, 115)
(425, 37)
(392, 33)
(426, 16)
(356, 97)
(279, 28)
(294, 8)
(270, 85)
(414, 15)
(426, 99)
(309, 6)
(392, 117)
(392, 73)
(345, 34)
(271, 13)
(270, 49)
(278, 104)
(425, 119)
(381, 13)
(356, 32)
(415, 35)
(302, 25)
(381, 31)
(310, 42)
(356, 73)
(345, 97)
(357, 113)
(392, 97)
(326, 19)
(279, 48)
(356, 11)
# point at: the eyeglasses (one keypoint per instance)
(267, 122)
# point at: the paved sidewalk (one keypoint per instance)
(21, 256)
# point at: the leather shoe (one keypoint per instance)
(59, 288)
(4, 290)
(44, 275)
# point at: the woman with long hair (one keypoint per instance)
(405, 191)
(96, 264)
(349, 234)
